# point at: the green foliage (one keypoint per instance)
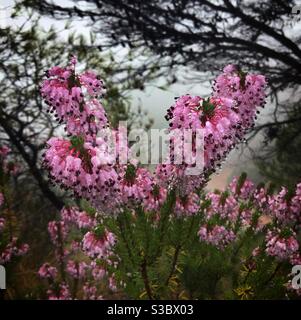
(164, 258)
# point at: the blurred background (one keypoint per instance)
(148, 52)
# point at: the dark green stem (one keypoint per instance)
(146, 280)
(174, 263)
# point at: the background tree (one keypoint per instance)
(200, 34)
(280, 162)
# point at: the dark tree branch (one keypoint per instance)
(36, 172)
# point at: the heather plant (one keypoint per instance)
(158, 234)
(11, 247)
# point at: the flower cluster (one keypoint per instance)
(224, 118)
(218, 236)
(57, 231)
(64, 92)
(187, 205)
(90, 293)
(86, 258)
(80, 217)
(76, 166)
(285, 207)
(47, 271)
(244, 206)
(280, 246)
(98, 244)
(13, 249)
(77, 270)
(84, 164)
(61, 293)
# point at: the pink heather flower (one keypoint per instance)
(224, 119)
(246, 217)
(85, 221)
(4, 151)
(187, 205)
(63, 293)
(57, 231)
(247, 90)
(295, 205)
(135, 184)
(214, 117)
(184, 113)
(75, 216)
(230, 68)
(69, 215)
(98, 272)
(223, 206)
(155, 198)
(217, 236)
(279, 207)
(280, 247)
(12, 250)
(47, 271)
(72, 98)
(76, 270)
(283, 208)
(75, 246)
(98, 246)
(6, 255)
(295, 259)
(256, 252)
(171, 175)
(23, 249)
(261, 198)
(73, 61)
(246, 190)
(92, 83)
(1, 199)
(84, 174)
(90, 292)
